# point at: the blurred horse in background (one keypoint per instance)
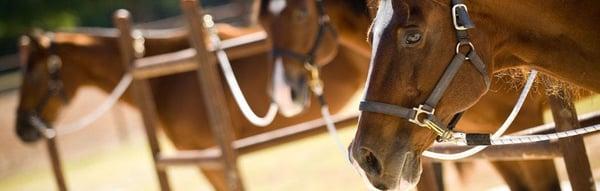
(94, 60)
(296, 26)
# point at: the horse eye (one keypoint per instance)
(412, 37)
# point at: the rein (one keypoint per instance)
(56, 89)
(424, 114)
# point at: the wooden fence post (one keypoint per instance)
(56, 164)
(573, 148)
(213, 94)
(141, 91)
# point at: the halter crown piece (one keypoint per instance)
(424, 114)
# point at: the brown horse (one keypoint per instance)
(93, 60)
(293, 26)
(413, 43)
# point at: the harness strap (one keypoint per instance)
(387, 109)
(445, 80)
(462, 14)
(480, 66)
(324, 25)
(455, 120)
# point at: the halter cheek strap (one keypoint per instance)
(424, 114)
(308, 57)
(55, 83)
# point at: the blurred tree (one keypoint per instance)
(19, 16)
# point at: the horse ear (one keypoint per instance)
(30, 43)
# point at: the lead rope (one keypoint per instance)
(316, 86)
(237, 93)
(87, 119)
(509, 120)
(484, 140)
(118, 91)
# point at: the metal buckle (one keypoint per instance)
(315, 82)
(324, 19)
(443, 133)
(419, 111)
(54, 63)
(455, 16)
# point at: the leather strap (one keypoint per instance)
(387, 109)
(445, 80)
(324, 25)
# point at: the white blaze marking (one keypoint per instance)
(384, 15)
(276, 6)
(282, 92)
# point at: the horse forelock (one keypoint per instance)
(513, 80)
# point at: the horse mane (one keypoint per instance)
(514, 80)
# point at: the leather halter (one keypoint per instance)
(55, 83)
(315, 82)
(308, 58)
(424, 114)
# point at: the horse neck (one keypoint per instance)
(89, 61)
(558, 38)
(351, 24)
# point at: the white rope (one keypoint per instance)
(333, 131)
(507, 140)
(89, 118)
(238, 95)
(498, 133)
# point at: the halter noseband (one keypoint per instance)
(424, 114)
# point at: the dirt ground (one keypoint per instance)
(112, 155)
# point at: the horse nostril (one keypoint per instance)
(295, 94)
(26, 131)
(381, 186)
(371, 164)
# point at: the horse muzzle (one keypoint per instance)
(290, 93)
(400, 172)
(26, 129)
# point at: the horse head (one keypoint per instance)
(54, 66)
(302, 39)
(42, 90)
(414, 43)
